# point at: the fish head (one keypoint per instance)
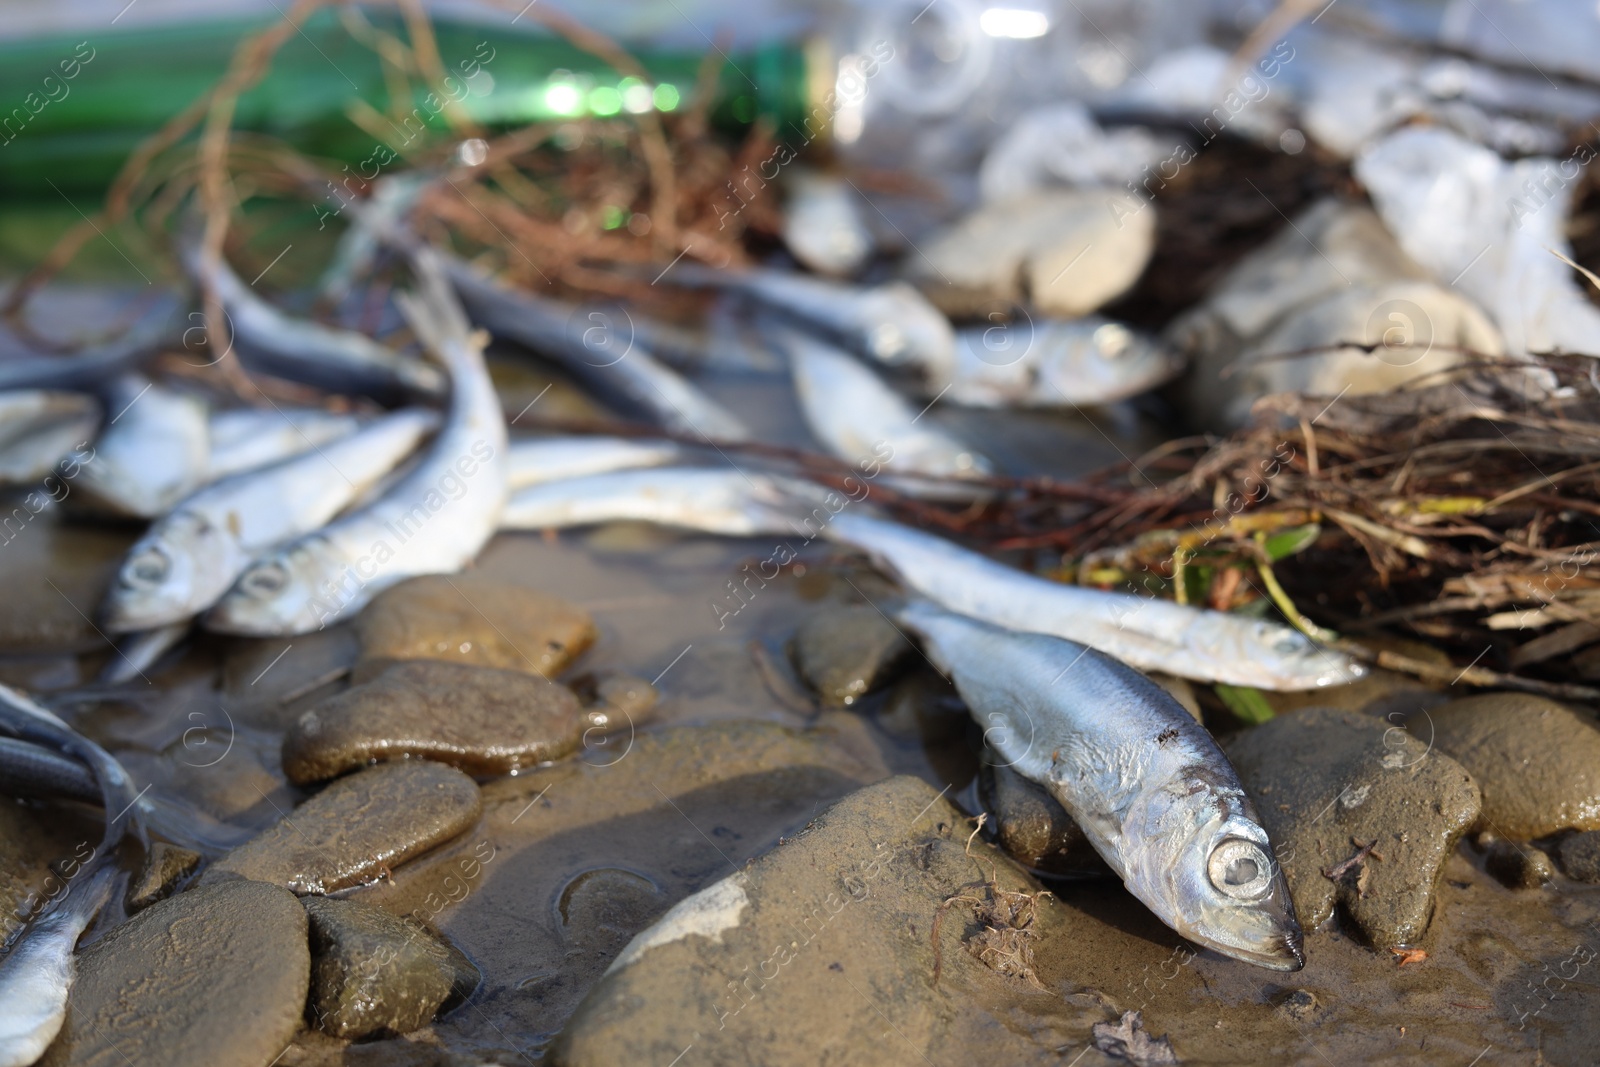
(175, 571)
(1206, 867)
(901, 327)
(291, 591)
(1097, 361)
(1268, 655)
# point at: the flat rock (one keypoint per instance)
(1068, 251)
(1580, 856)
(465, 618)
(212, 977)
(825, 949)
(487, 722)
(164, 867)
(1327, 783)
(844, 653)
(373, 972)
(357, 828)
(1537, 761)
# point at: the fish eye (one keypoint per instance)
(266, 580)
(149, 566)
(886, 340)
(1113, 339)
(1240, 869)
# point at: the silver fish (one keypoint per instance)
(892, 324)
(39, 427)
(88, 369)
(1057, 363)
(554, 459)
(33, 770)
(433, 521)
(857, 417)
(823, 225)
(154, 450)
(597, 349)
(37, 974)
(1150, 787)
(186, 562)
(340, 361)
(1146, 633)
(718, 501)
(245, 439)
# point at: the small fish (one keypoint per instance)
(554, 459)
(1146, 633)
(891, 324)
(37, 974)
(1057, 363)
(191, 557)
(1150, 787)
(823, 226)
(154, 450)
(299, 350)
(39, 427)
(140, 651)
(88, 369)
(599, 351)
(27, 721)
(857, 417)
(245, 439)
(718, 501)
(433, 521)
(32, 770)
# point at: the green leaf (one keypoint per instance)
(1286, 543)
(1246, 703)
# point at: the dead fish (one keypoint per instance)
(153, 451)
(299, 350)
(859, 418)
(712, 500)
(433, 521)
(37, 974)
(38, 427)
(1057, 363)
(1150, 787)
(823, 224)
(193, 555)
(554, 459)
(245, 439)
(89, 369)
(892, 324)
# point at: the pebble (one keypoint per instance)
(814, 945)
(212, 977)
(1537, 761)
(1067, 250)
(357, 828)
(373, 972)
(844, 653)
(487, 722)
(467, 618)
(1033, 827)
(1580, 856)
(1517, 866)
(1328, 782)
(164, 867)
(1301, 1005)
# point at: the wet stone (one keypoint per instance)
(213, 977)
(465, 618)
(844, 653)
(1301, 1005)
(1033, 827)
(372, 972)
(1336, 790)
(357, 828)
(487, 722)
(814, 945)
(1580, 856)
(1537, 762)
(164, 867)
(1518, 866)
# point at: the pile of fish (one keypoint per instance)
(276, 520)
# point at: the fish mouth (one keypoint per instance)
(1281, 952)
